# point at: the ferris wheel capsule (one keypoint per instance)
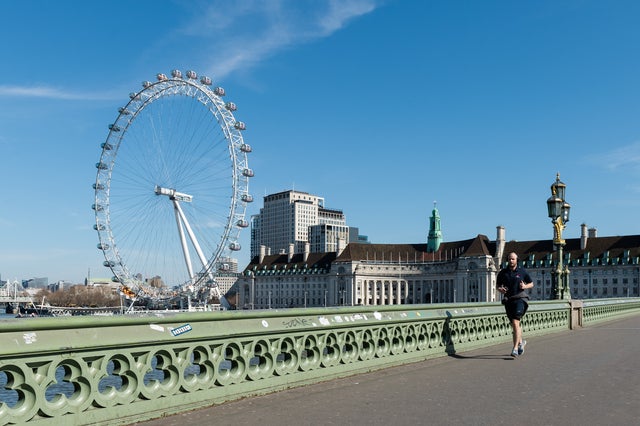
(124, 111)
(247, 198)
(219, 91)
(192, 74)
(231, 106)
(247, 172)
(205, 80)
(146, 84)
(242, 223)
(240, 125)
(235, 246)
(245, 147)
(161, 77)
(102, 246)
(176, 74)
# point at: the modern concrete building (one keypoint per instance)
(285, 219)
(298, 218)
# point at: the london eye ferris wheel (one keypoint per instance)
(172, 187)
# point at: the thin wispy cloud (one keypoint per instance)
(625, 157)
(45, 92)
(242, 34)
(342, 12)
(238, 36)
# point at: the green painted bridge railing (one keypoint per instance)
(122, 369)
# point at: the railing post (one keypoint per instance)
(576, 313)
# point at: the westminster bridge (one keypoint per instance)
(173, 366)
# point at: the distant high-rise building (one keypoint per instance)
(36, 283)
(298, 218)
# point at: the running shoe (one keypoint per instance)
(521, 347)
(514, 353)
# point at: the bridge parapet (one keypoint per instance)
(123, 369)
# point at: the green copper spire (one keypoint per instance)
(435, 233)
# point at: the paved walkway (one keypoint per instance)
(589, 377)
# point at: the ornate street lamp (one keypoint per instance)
(558, 210)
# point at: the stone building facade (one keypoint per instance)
(455, 272)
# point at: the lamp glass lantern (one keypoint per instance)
(558, 188)
(554, 206)
(565, 212)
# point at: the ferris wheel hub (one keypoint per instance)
(173, 194)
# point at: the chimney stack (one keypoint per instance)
(290, 254)
(307, 249)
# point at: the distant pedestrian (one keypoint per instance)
(512, 282)
(229, 301)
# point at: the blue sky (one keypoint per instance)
(380, 106)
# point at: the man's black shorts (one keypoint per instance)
(516, 308)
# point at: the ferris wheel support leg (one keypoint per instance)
(183, 240)
(193, 238)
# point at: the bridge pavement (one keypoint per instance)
(589, 376)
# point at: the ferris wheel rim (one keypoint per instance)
(223, 115)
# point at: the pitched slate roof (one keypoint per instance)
(479, 245)
(616, 247)
(280, 262)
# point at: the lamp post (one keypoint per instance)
(558, 210)
(252, 290)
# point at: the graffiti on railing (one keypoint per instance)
(298, 322)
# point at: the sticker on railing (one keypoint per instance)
(29, 338)
(181, 330)
(156, 327)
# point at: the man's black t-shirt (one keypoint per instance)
(511, 280)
